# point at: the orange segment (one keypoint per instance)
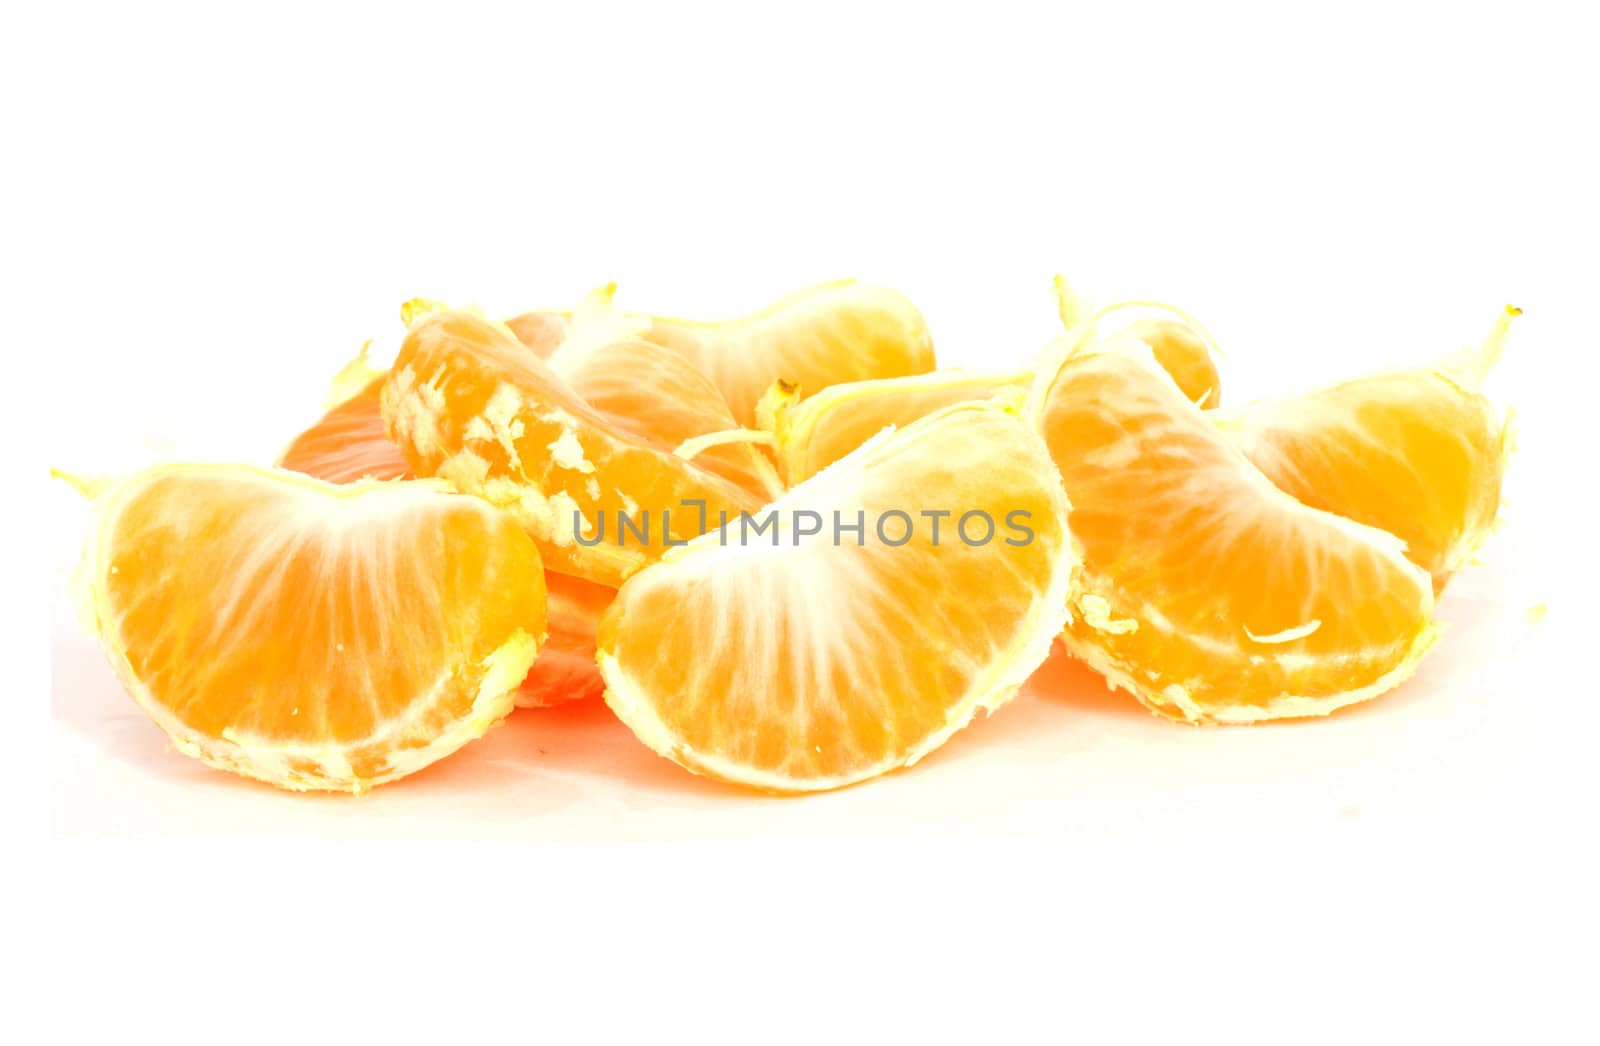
(643, 389)
(348, 443)
(1207, 592)
(1180, 345)
(794, 661)
(1420, 454)
(566, 669)
(811, 434)
(309, 635)
(1184, 355)
(661, 397)
(816, 338)
(468, 403)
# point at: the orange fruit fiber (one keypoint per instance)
(310, 635)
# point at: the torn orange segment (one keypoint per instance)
(1205, 591)
(810, 659)
(468, 403)
(309, 635)
(1420, 453)
(812, 433)
(644, 389)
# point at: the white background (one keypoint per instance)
(207, 210)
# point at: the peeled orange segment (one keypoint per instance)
(1205, 591)
(1414, 454)
(1180, 345)
(802, 659)
(348, 443)
(811, 434)
(1420, 454)
(646, 389)
(467, 403)
(1185, 357)
(309, 635)
(566, 668)
(816, 338)
(659, 396)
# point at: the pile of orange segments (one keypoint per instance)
(786, 550)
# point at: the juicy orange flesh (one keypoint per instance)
(1181, 535)
(468, 403)
(348, 443)
(662, 398)
(814, 339)
(269, 609)
(816, 662)
(1413, 453)
(566, 669)
(822, 429)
